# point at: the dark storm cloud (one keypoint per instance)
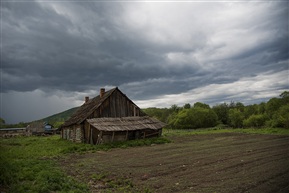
(150, 50)
(57, 47)
(47, 50)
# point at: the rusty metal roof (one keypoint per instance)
(126, 123)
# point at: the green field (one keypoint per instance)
(36, 164)
(29, 164)
(271, 131)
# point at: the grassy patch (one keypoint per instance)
(272, 131)
(27, 164)
(122, 144)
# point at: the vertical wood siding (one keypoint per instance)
(116, 105)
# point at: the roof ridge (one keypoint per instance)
(87, 108)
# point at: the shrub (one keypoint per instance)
(222, 111)
(236, 118)
(281, 117)
(255, 121)
(194, 118)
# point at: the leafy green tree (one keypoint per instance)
(278, 111)
(232, 105)
(273, 113)
(250, 110)
(284, 94)
(171, 120)
(255, 120)
(181, 120)
(175, 108)
(272, 106)
(262, 108)
(285, 97)
(153, 112)
(161, 114)
(194, 118)
(281, 117)
(201, 105)
(222, 111)
(187, 106)
(240, 106)
(236, 118)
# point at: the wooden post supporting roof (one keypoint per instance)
(99, 138)
(126, 136)
(112, 138)
(90, 134)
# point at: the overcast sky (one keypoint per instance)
(54, 53)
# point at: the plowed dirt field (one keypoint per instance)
(228, 162)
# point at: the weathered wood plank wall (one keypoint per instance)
(117, 105)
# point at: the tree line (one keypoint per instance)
(17, 125)
(274, 114)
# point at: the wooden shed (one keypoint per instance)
(110, 116)
(40, 128)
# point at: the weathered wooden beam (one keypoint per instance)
(160, 132)
(126, 136)
(112, 137)
(99, 138)
(90, 134)
(155, 133)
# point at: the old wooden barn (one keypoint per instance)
(110, 116)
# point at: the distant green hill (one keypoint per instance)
(57, 119)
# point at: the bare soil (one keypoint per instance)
(198, 163)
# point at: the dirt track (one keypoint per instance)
(197, 163)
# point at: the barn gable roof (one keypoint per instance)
(87, 108)
(126, 123)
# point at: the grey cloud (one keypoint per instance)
(79, 46)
